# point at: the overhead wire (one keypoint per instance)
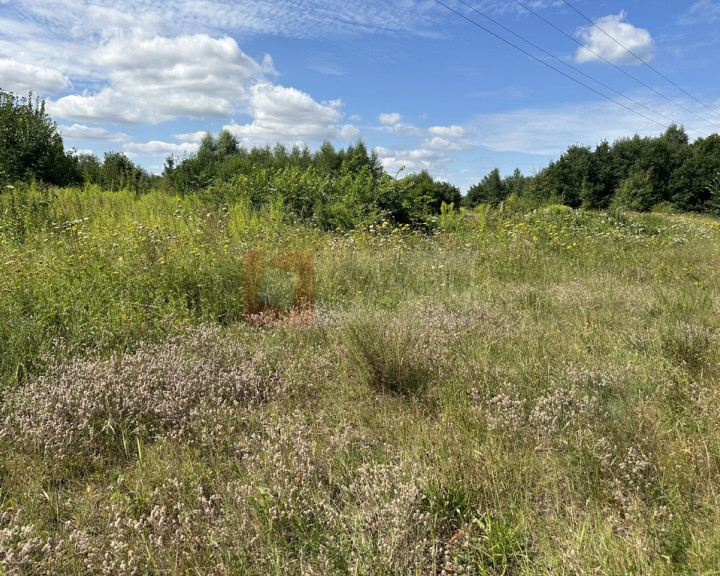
(663, 76)
(543, 62)
(500, 25)
(601, 57)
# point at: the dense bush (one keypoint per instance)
(331, 188)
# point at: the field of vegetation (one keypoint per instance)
(510, 391)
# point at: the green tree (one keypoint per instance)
(571, 170)
(430, 194)
(118, 172)
(89, 168)
(226, 145)
(357, 157)
(326, 160)
(600, 181)
(490, 190)
(713, 202)
(691, 182)
(676, 135)
(636, 192)
(30, 145)
(515, 183)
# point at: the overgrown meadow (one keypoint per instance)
(512, 392)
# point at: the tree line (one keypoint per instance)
(341, 188)
(331, 188)
(638, 173)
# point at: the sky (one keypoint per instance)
(427, 85)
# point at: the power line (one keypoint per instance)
(571, 66)
(663, 76)
(601, 57)
(474, 23)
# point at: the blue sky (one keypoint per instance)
(416, 82)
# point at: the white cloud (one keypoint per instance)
(437, 143)
(192, 136)
(83, 19)
(20, 78)
(390, 119)
(703, 11)
(289, 115)
(78, 152)
(412, 161)
(449, 138)
(157, 79)
(106, 106)
(327, 69)
(158, 148)
(453, 131)
(608, 37)
(391, 123)
(549, 131)
(309, 19)
(81, 132)
(111, 22)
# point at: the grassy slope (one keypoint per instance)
(514, 395)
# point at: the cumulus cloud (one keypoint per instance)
(81, 132)
(392, 123)
(438, 143)
(158, 148)
(450, 138)
(19, 77)
(289, 115)
(191, 137)
(157, 79)
(453, 131)
(389, 119)
(608, 39)
(152, 80)
(106, 106)
(412, 161)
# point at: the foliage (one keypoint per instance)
(490, 190)
(116, 172)
(713, 202)
(636, 193)
(30, 146)
(332, 189)
(636, 172)
(690, 184)
(430, 193)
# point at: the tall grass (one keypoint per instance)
(515, 393)
(93, 270)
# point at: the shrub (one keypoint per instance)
(389, 354)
